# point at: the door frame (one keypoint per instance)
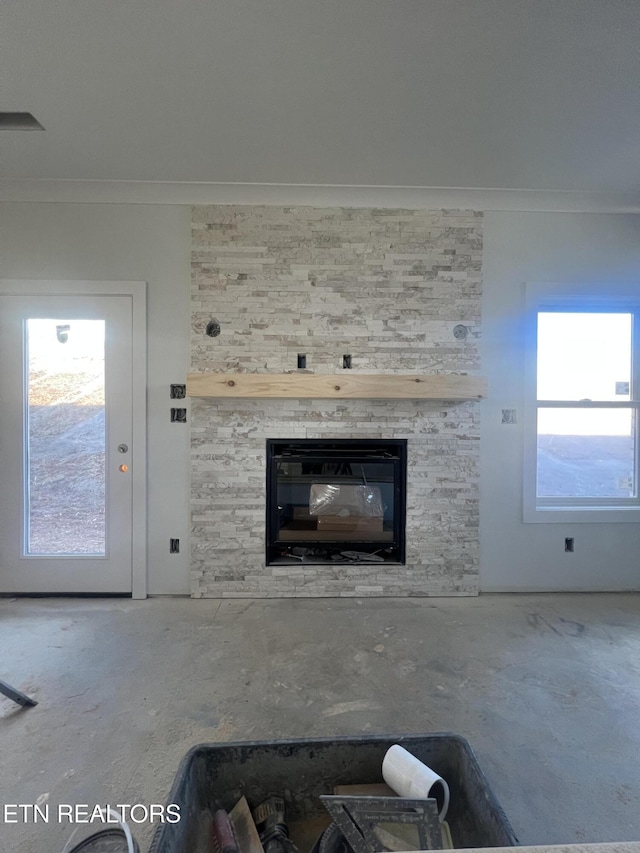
(137, 290)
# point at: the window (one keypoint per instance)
(582, 421)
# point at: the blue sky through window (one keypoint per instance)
(584, 356)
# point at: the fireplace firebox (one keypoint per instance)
(336, 500)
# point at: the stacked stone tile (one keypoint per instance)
(387, 287)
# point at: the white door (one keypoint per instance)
(66, 443)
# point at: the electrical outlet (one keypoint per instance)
(568, 545)
(178, 416)
(174, 546)
(302, 360)
(346, 362)
(177, 392)
(509, 416)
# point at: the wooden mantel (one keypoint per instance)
(342, 386)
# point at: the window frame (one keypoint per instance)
(577, 298)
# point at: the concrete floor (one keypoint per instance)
(546, 688)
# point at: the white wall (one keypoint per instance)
(127, 242)
(521, 247)
(151, 243)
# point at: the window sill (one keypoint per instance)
(582, 515)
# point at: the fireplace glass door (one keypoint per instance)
(335, 500)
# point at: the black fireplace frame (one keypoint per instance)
(359, 450)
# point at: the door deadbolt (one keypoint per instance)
(122, 448)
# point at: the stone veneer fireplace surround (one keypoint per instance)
(387, 287)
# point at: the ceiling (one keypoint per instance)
(516, 94)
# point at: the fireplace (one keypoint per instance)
(387, 286)
(336, 501)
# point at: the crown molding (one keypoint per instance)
(425, 198)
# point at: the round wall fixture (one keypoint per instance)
(213, 328)
(460, 332)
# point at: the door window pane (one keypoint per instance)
(584, 356)
(586, 453)
(65, 447)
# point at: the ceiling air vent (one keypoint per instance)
(19, 121)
